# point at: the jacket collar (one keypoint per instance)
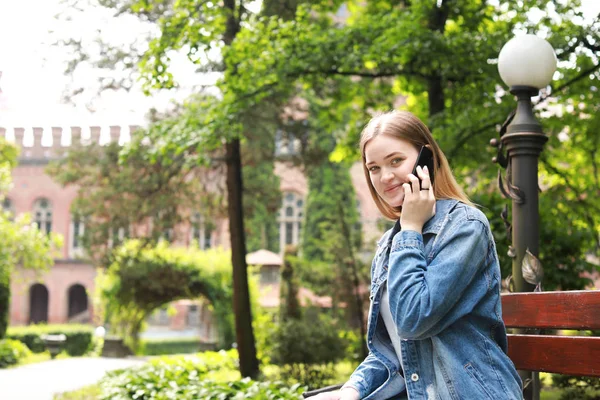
(442, 208)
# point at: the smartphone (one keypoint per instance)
(425, 158)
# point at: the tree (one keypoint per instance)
(438, 57)
(200, 27)
(21, 243)
(136, 199)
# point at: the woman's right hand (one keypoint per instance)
(344, 394)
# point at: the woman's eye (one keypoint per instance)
(396, 161)
(373, 168)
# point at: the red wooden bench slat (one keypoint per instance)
(577, 309)
(569, 355)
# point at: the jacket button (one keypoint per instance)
(414, 377)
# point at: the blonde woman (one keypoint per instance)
(435, 328)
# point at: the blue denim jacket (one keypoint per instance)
(444, 294)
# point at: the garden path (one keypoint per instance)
(42, 380)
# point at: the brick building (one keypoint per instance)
(64, 293)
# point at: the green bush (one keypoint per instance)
(308, 342)
(80, 338)
(307, 349)
(12, 352)
(156, 347)
(193, 389)
(4, 298)
(577, 387)
(210, 375)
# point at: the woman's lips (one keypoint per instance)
(393, 188)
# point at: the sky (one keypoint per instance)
(33, 78)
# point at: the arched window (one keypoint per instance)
(291, 215)
(77, 229)
(38, 304)
(78, 304)
(202, 231)
(42, 211)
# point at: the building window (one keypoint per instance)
(77, 229)
(193, 315)
(42, 210)
(167, 235)
(290, 219)
(7, 207)
(117, 235)
(201, 232)
(286, 144)
(269, 274)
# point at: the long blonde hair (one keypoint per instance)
(404, 125)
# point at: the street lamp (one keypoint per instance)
(526, 64)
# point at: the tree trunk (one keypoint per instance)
(244, 334)
(435, 95)
(241, 294)
(435, 89)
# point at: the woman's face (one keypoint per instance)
(390, 160)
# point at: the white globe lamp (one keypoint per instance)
(527, 60)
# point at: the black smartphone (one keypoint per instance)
(425, 158)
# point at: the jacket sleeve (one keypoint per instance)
(423, 297)
(368, 376)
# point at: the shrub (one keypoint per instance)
(307, 349)
(265, 328)
(79, 337)
(210, 375)
(12, 352)
(577, 387)
(308, 342)
(201, 389)
(4, 298)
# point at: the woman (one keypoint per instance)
(435, 326)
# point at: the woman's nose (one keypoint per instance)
(387, 176)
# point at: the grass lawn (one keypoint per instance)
(91, 392)
(38, 358)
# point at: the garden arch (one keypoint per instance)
(144, 278)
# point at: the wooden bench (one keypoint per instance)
(568, 355)
(531, 351)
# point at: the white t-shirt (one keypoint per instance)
(389, 322)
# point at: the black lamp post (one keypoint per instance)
(526, 64)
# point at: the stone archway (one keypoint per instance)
(78, 304)
(38, 304)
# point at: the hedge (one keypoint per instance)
(80, 338)
(154, 347)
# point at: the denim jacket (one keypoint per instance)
(444, 295)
